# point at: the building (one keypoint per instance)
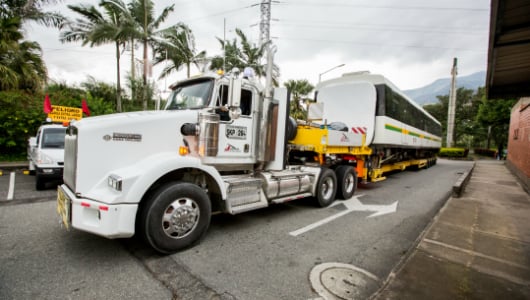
(508, 76)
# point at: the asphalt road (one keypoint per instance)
(248, 256)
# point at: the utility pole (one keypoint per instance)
(265, 23)
(452, 106)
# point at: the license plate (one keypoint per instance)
(63, 207)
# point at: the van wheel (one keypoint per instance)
(326, 187)
(40, 183)
(347, 181)
(175, 217)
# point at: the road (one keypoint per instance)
(287, 251)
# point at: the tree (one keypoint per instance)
(179, 48)
(466, 129)
(298, 89)
(97, 28)
(31, 10)
(21, 64)
(244, 55)
(495, 114)
(146, 30)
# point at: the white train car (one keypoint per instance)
(396, 127)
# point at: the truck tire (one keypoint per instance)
(40, 183)
(346, 181)
(326, 187)
(292, 129)
(175, 217)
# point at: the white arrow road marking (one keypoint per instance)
(352, 204)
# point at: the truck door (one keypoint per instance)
(237, 136)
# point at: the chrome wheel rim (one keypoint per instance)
(180, 218)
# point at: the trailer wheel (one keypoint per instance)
(346, 181)
(326, 187)
(175, 217)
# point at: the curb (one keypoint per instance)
(460, 184)
(5, 167)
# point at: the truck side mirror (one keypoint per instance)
(234, 92)
(32, 141)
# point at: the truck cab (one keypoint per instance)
(46, 154)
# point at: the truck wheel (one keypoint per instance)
(175, 217)
(347, 181)
(40, 183)
(326, 187)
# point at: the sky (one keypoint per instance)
(412, 43)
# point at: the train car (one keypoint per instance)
(396, 127)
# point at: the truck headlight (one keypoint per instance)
(115, 182)
(44, 159)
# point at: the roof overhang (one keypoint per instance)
(509, 50)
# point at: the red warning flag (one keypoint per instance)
(84, 106)
(47, 105)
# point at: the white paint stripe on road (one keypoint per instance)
(319, 223)
(11, 190)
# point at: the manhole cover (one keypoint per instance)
(342, 281)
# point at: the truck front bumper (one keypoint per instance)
(50, 173)
(107, 220)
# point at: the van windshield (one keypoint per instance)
(53, 138)
(190, 95)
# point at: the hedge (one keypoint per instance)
(453, 152)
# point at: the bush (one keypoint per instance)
(453, 152)
(20, 116)
(485, 152)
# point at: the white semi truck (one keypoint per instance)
(224, 143)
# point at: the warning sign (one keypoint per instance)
(65, 113)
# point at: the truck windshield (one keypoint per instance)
(53, 138)
(190, 95)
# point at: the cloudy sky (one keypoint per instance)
(410, 42)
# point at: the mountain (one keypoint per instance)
(428, 93)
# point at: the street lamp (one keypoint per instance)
(335, 67)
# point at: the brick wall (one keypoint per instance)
(519, 139)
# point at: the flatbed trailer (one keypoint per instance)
(332, 148)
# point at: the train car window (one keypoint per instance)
(380, 104)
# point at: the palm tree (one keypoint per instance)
(32, 10)
(244, 55)
(21, 64)
(298, 89)
(146, 29)
(97, 28)
(179, 49)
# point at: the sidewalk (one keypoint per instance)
(478, 246)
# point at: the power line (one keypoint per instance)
(364, 44)
(377, 28)
(328, 4)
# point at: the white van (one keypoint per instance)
(46, 154)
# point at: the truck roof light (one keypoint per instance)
(103, 207)
(85, 204)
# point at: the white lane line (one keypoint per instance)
(11, 190)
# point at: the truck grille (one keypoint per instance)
(70, 158)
